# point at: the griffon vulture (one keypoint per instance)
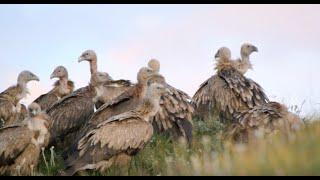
(21, 143)
(107, 92)
(243, 64)
(62, 87)
(227, 92)
(263, 120)
(115, 140)
(10, 108)
(74, 110)
(123, 103)
(175, 114)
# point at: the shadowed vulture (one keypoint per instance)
(107, 92)
(227, 92)
(73, 111)
(21, 143)
(263, 120)
(115, 140)
(175, 114)
(10, 108)
(61, 88)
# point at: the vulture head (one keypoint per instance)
(247, 49)
(27, 76)
(59, 72)
(88, 55)
(99, 78)
(223, 53)
(144, 74)
(156, 90)
(154, 64)
(34, 109)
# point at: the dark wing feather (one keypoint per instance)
(175, 107)
(125, 133)
(46, 100)
(71, 112)
(14, 139)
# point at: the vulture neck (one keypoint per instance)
(245, 61)
(64, 81)
(149, 107)
(23, 90)
(142, 88)
(93, 66)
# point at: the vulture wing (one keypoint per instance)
(112, 90)
(14, 139)
(125, 133)
(46, 100)
(71, 112)
(175, 111)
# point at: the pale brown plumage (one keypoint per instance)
(61, 88)
(10, 107)
(175, 114)
(70, 113)
(227, 92)
(123, 135)
(21, 144)
(123, 103)
(243, 64)
(264, 120)
(112, 88)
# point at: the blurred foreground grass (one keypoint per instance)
(210, 155)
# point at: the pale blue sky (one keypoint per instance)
(183, 37)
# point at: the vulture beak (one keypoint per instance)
(167, 90)
(254, 49)
(35, 78)
(216, 55)
(52, 76)
(80, 59)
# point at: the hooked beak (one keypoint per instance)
(35, 78)
(216, 56)
(254, 49)
(167, 90)
(53, 76)
(80, 59)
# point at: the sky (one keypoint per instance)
(184, 38)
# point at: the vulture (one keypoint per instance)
(21, 143)
(175, 114)
(10, 108)
(61, 88)
(123, 103)
(227, 92)
(74, 110)
(116, 139)
(243, 64)
(107, 92)
(263, 120)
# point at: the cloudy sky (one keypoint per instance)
(183, 37)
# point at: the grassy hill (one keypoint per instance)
(210, 155)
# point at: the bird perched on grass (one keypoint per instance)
(175, 114)
(10, 108)
(263, 120)
(21, 143)
(227, 92)
(115, 140)
(61, 88)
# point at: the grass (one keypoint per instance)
(210, 155)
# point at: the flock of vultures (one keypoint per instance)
(109, 121)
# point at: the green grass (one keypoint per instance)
(210, 155)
